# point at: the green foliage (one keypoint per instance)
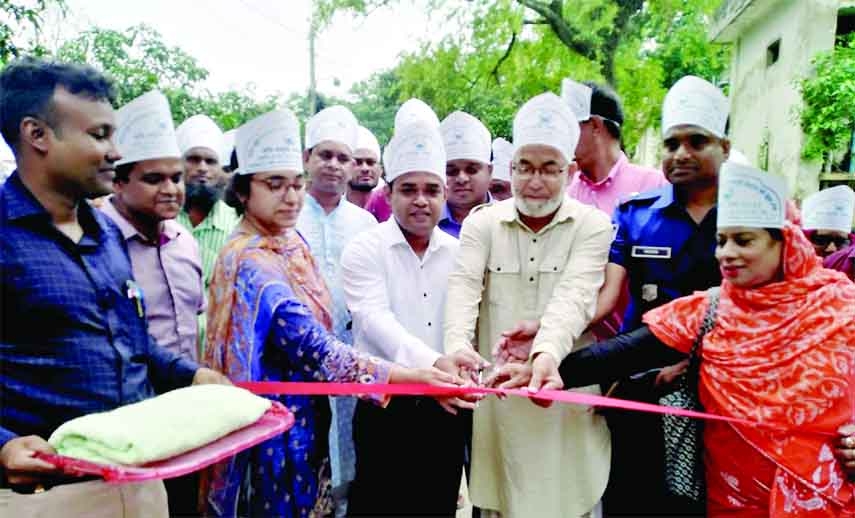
(18, 17)
(511, 50)
(139, 60)
(827, 117)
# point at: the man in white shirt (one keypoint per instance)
(409, 456)
(328, 221)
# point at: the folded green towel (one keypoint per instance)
(160, 427)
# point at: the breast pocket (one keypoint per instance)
(502, 280)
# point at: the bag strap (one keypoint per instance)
(707, 326)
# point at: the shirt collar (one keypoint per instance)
(446, 212)
(613, 172)
(666, 198)
(316, 207)
(395, 237)
(168, 232)
(20, 203)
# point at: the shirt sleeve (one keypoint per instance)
(466, 282)
(365, 291)
(6, 435)
(167, 370)
(619, 250)
(573, 301)
(309, 346)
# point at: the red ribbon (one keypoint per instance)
(562, 396)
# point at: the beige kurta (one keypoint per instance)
(530, 461)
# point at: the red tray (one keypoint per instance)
(275, 421)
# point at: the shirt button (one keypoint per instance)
(554, 268)
(531, 279)
(531, 259)
(534, 240)
(425, 294)
(498, 268)
(429, 324)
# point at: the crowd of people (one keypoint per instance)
(138, 257)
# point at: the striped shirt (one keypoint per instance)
(211, 234)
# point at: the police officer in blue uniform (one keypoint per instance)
(664, 247)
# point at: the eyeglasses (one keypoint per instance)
(277, 184)
(824, 240)
(549, 171)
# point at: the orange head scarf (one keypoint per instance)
(783, 353)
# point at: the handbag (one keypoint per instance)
(684, 466)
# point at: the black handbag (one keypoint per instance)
(684, 463)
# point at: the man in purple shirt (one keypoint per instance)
(468, 171)
(149, 194)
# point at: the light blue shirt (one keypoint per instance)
(327, 235)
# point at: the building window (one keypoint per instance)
(773, 52)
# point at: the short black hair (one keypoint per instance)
(27, 86)
(123, 172)
(605, 102)
(238, 186)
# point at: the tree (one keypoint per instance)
(512, 50)
(828, 96)
(139, 60)
(18, 18)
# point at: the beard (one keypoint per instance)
(539, 209)
(203, 196)
(362, 187)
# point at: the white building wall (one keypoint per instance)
(765, 99)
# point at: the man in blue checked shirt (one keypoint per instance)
(73, 339)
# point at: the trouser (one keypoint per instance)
(93, 499)
(183, 495)
(409, 459)
(596, 512)
(637, 477)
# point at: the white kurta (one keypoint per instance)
(530, 461)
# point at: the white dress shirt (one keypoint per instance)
(396, 299)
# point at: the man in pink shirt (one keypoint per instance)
(149, 194)
(605, 175)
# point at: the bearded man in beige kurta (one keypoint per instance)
(537, 256)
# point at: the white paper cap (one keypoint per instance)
(228, 146)
(145, 130)
(336, 124)
(415, 110)
(200, 131)
(416, 147)
(749, 197)
(578, 98)
(695, 102)
(366, 140)
(547, 120)
(465, 138)
(503, 153)
(829, 209)
(270, 142)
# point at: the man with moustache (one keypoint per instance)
(410, 454)
(468, 170)
(74, 339)
(149, 193)
(205, 213)
(328, 222)
(539, 255)
(366, 169)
